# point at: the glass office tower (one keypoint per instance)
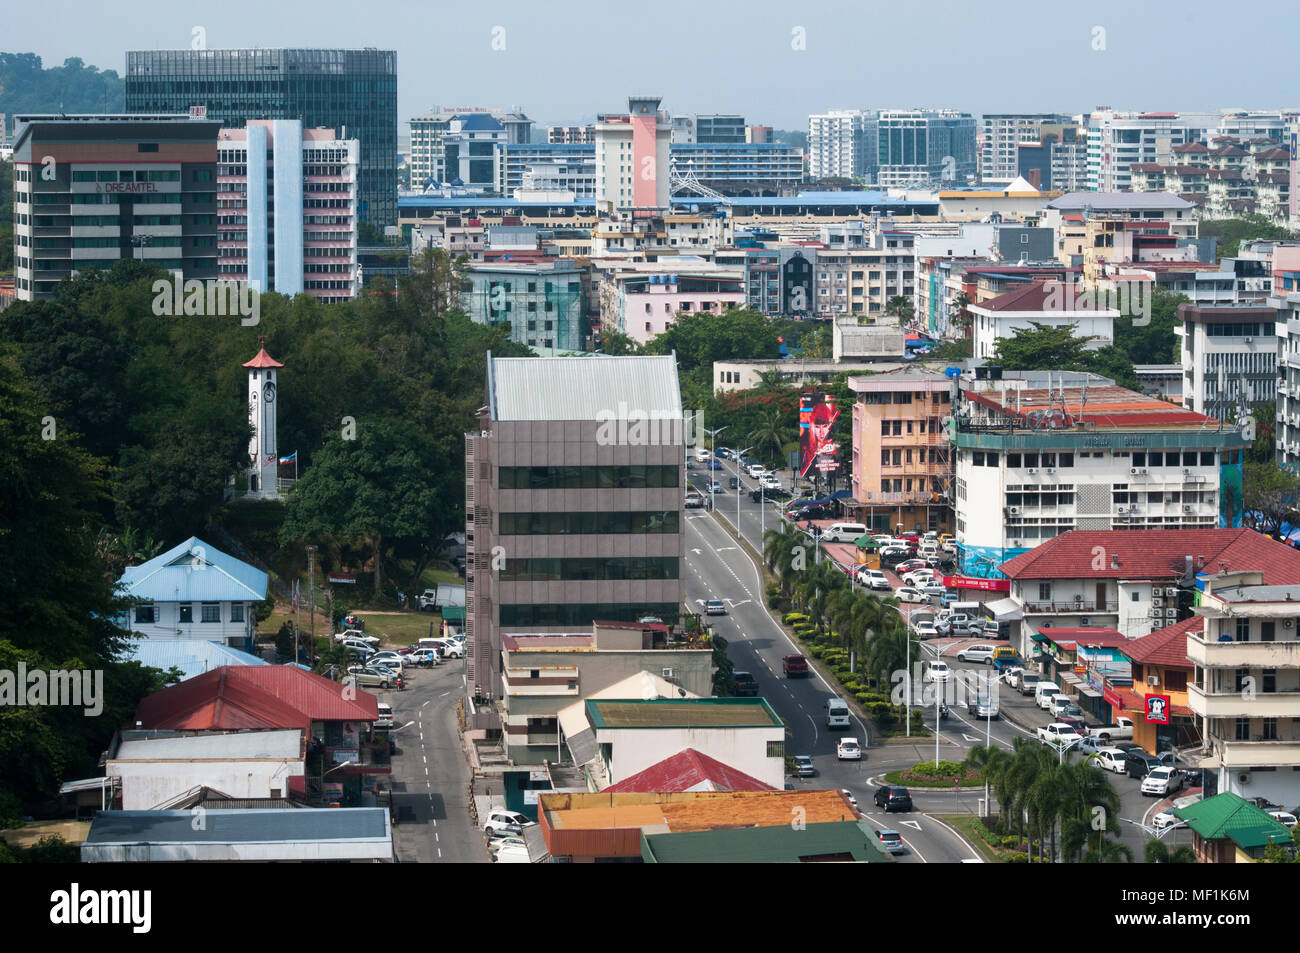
(351, 91)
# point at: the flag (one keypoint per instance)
(290, 458)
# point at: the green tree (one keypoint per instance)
(1156, 851)
(1264, 448)
(1270, 491)
(1231, 232)
(900, 307)
(616, 343)
(374, 488)
(1151, 338)
(770, 436)
(1042, 346)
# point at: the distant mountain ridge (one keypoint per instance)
(26, 86)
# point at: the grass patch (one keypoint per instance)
(911, 777)
(400, 628)
(969, 826)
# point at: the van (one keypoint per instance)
(385, 719)
(837, 713)
(1026, 682)
(843, 532)
(1044, 692)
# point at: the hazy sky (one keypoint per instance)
(566, 61)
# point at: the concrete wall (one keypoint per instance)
(745, 749)
(146, 784)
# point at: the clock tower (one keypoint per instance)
(263, 464)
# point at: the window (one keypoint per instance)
(1243, 630)
(236, 612)
(210, 612)
(776, 749)
(146, 614)
(1243, 729)
(1045, 592)
(187, 614)
(1134, 596)
(1269, 727)
(1269, 680)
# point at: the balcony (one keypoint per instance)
(1234, 704)
(1069, 608)
(1243, 755)
(1251, 655)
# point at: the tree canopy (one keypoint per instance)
(1042, 346)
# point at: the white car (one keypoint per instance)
(771, 483)
(450, 648)
(918, 577)
(1110, 759)
(1285, 818)
(1058, 733)
(932, 588)
(976, 653)
(1011, 676)
(874, 578)
(505, 820)
(1162, 782)
(926, 630)
(756, 470)
(502, 842)
(848, 750)
(1166, 817)
(908, 594)
(936, 672)
(358, 635)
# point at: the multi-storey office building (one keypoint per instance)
(720, 129)
(1229, 356)
(543, 302)
(921, 146)
(772, 168)
(902, 459)
(573, 501)
(632, 158)
(571, 135)
(1034, 462)
(1002, 134)
(351, 91)
(287, 209)
(1119, 140)
(433, 132)
(89, 190)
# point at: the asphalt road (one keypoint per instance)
(719, 569)
(430, 780)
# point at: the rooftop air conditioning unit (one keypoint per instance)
(1158, 603)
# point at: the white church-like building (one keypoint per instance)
(264, 462)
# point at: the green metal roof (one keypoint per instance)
(1228, 816)
(835, 841)
(682, 713)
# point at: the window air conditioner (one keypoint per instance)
(1187, 507)
(1171, 613)
(1121, 509)
(1133, 471)
(1171, 591)
(1157, 624)
(1051, 469)
(1032, 470)
(667, 673)
(1153, 679)
(1083, 621)
(1243, 778)
(1013, 509)
(1158, 603)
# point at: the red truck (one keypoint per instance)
(795, 666)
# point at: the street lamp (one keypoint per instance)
(907, 680)
(739, 487)
(712, 436)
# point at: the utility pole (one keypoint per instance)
(311, 592)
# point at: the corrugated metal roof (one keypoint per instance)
(194, 571)
(192, 656)
(240, 826)
(789, 844)
(585, 388)
(1228, 816)
(225, 747)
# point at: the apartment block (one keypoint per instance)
(842, 144)
(632, 157)
(902, 466)
(1229, 356)
(287, 203)
(1002, 134)
(574, 479)
(1041, 456)
(90, 190)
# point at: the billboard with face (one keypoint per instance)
(817, 415)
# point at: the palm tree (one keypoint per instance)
(960, 316)
(780, 548)
(769, 435)
(887, 652)
(1157, 852)
(995, 762)
(900, 306)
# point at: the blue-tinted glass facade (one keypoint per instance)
(353, 92)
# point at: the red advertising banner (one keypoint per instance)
(817, 414)
(1112, 699)
(971, 582)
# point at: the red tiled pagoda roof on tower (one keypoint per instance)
(263, 360)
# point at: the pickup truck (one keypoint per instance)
(1123, 728)
(795, 666)
(1005, 662)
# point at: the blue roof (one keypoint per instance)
(194, 571)
(191, 656)
(478, 121)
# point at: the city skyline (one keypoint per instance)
(779, 67)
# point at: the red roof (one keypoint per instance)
(687, 770)
(1165, 647)
(1157, 554)
(1191, 147)
(1037, 296)
(1108, 407)
(234, 697)
(263, 360)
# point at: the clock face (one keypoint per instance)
(268, 393)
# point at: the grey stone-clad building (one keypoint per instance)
(573, 501)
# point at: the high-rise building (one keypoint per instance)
(916, 146)
(1003, 132)
(570, 135)
(288, 202)
(841, 144)
(575, 473)
(719, 129)
(632, 160)
(351, 91)
(89, 190)
(1119, 140)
